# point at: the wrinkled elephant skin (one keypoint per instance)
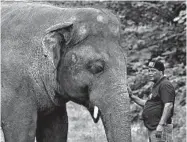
(53, 55)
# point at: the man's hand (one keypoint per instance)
(159, 131)
(159, 128)
(129, 91)
(134, 98)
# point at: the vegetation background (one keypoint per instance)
(151, 30)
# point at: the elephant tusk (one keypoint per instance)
(96, 112)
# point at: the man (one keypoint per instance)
(158, 109)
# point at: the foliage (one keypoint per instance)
(157, 27)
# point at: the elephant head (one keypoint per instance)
(90, 67)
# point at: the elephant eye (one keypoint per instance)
(96, 67)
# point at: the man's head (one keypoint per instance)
(156, 70)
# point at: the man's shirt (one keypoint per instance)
(162, 92)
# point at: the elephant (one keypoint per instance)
(53, 55)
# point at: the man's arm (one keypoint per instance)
(167, 95)
(136, 99)
(166, 113)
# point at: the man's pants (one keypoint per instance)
(166, 135)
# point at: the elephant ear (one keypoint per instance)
(55, 39)
(60, 35)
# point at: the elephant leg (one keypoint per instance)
(20, 124)
(53, 127)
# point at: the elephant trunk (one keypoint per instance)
(116, 119)
(114, 106)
